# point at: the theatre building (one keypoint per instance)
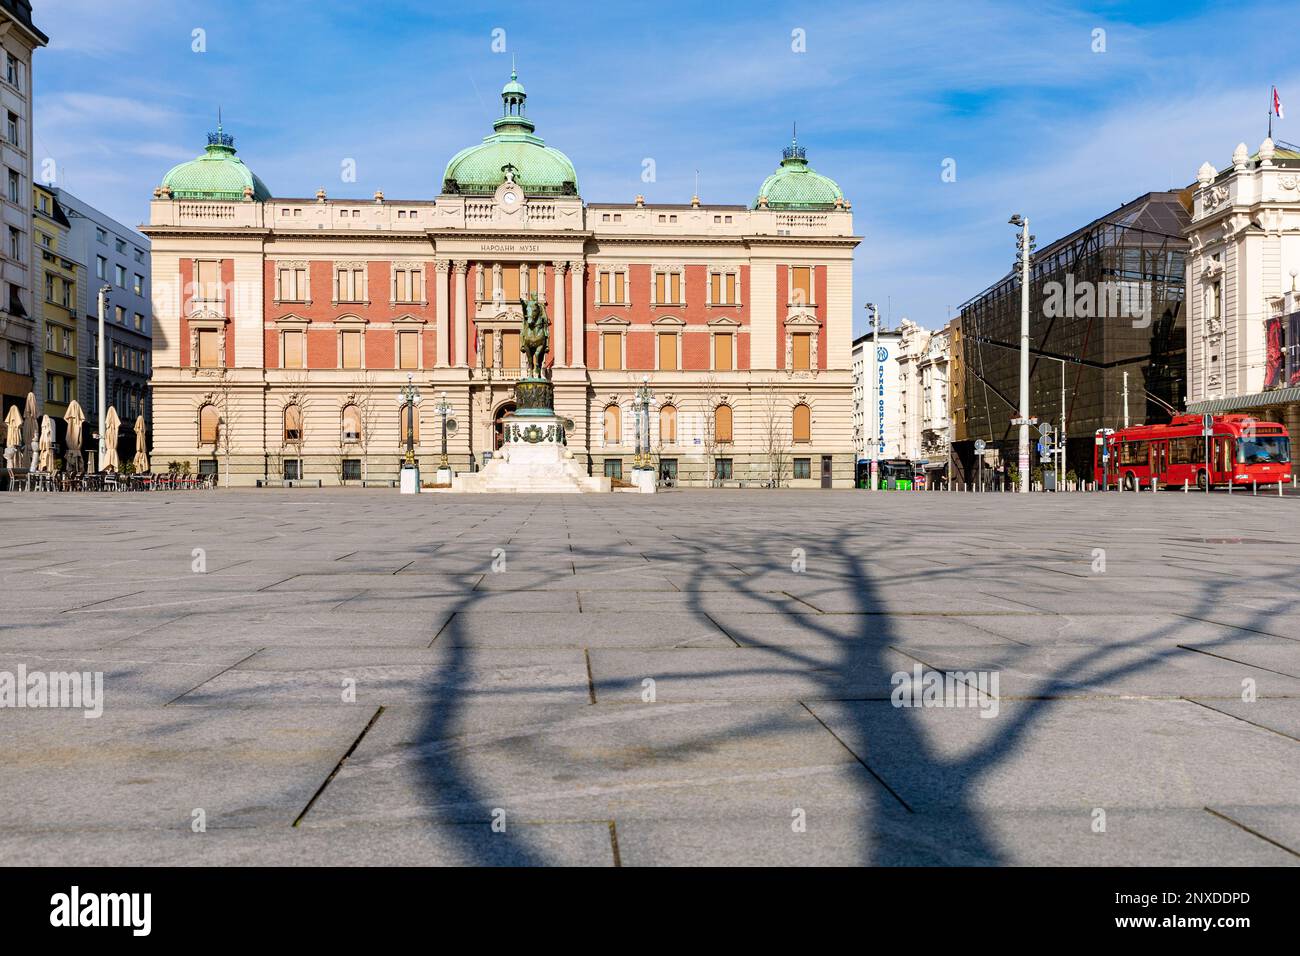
(286, 328)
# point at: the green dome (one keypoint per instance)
(217, 174)
(795, 186)
(514, 148)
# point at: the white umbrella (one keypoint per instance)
(29, 422)
(141, 449)
(14, 426)
(111, 425)
(76, 420)
(45, 458)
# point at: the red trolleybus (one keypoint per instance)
(1242, 451)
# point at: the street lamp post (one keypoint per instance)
(643, 475)
(448, 427)
(1025, 243)
(409, 398)
(101, 393)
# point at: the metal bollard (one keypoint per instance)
(1184, 486)
(1279, 487)
(1254, 486)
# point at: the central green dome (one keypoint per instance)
(217, 174)
(513, 147)
(795, 186)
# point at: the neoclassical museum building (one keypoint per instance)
(286, 330)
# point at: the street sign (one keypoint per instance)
(1207, 425)
(979, 444)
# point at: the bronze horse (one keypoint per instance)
(535, 336)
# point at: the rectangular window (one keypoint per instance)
(612, 351)
(408, 285)
(101, 235)
(14, 190)
(722, 469)
(351, 469)
(207, 278)
(208, 466)
(293, 423)
(208, 341)
(351, 285)
(618, 289)
(668, 351)
(351, 349)
(731, 299)
(120, 246)
(13, 138)
(119, 313)
(801, 285)
(408, 349)
(604, 287)
(802, 356)
(715, 287)
(51, 388)
(292, 469)
(101, 267)
(803, 467)
(139, 322)
(49, 287)
(614, 468)
(489, 351)
(722, 351)
(294, 352)
(11, 69)
(675, 288)
(510, 349)
(16, 245)
(293, 285)
(510, 283)
(138, 285)
(661, 288)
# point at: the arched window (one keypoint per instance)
(722, 424)
(351, 423)
(208, 420)
(292, 424)
(410, 416)
(802, 425)
(668, 425)
(613, 425)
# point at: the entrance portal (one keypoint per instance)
(498, 435)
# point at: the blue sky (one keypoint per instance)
(884, 93)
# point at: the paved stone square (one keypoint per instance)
(698, 677)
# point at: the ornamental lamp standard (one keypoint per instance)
(876, 396)
(409, 397)
(644, 396)
(1025, 245)
(443, 408)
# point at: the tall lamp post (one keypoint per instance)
(101, 393)
(443, 408)
(409, 398)
(877, 397)
(1025, 243)
(643, 475)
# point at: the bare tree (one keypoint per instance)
(296, 382)
(709, 394)
(223, 392)
(367, 402)
(774, 415)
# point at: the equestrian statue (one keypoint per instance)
(535, 336)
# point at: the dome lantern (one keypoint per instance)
(218, 174)
(796, 186)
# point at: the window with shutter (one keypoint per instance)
(618, 288)
(510, 349)
(801, 351)
(731, 289)
(208, 354)
(208, 425)
(351, 349)
(293, 349)
(801, 285)
(510, 283)
(489, 351)
(722, 424)
(722, 351)
(613, 425)
(661, 288)
(668, 425)
(408, 349)
(292, 423)
(802, 426)
(612, 351)
(668, 351)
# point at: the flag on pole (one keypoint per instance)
(1277, 104)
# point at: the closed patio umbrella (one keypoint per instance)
(14, 427)
(141, 449)
(29, 422)
(45, 458)
(112, 424)
(76, 420)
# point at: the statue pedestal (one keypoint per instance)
(644, 480)
(533, 459)
(410, 481)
